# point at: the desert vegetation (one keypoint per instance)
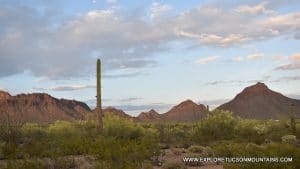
(125, 144)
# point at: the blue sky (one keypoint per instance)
(155, 54)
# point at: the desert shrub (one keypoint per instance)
(64, 163)
(33, 130)
(196, 149)
(119, 128)
(24, 164)
(289, 139)
(147, 165)
(205, 151)
(120, 154)
(249, 131)
(275, 129)
(218, 125)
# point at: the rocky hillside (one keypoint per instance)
(260, 102)
(40, 107)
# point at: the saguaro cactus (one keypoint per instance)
(293, 122)
(99, 103)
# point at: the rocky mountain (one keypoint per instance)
(116, 112)
(260, 102)
(40, 107)
(186, 111)
(151, 115)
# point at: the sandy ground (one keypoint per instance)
(175, 155)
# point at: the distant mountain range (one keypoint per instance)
(185, 111)
(257, 102)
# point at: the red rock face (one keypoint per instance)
(4, 95)
(259, 102)
(41, 108)
(186, 111)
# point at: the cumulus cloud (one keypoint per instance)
(50, 46)
(207, 60)
(256, 9)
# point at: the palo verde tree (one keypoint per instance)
(99, 102)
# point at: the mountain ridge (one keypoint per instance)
(259, 102)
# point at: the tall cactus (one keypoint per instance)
(99, 103)
(293, 122)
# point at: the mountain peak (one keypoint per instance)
(260, 102)
(186, 103)
(186, 111)
(151, 115)
(259, 87)
(114, 111)
(152, 111)
(4, 94)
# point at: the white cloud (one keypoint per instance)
(295, 57)
(256, 9)
(255, 56)
(158, 10)
(294, 63)
(277, 58)
(207, 60)
(212, 39)
(111, 1)
(238, 59)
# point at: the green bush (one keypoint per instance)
(289, 139)
(218, 125)
(197, 149)
(119, 128)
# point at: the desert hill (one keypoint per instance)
(151, 115)
(40, 107)
(260, 102)
(186, 111)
